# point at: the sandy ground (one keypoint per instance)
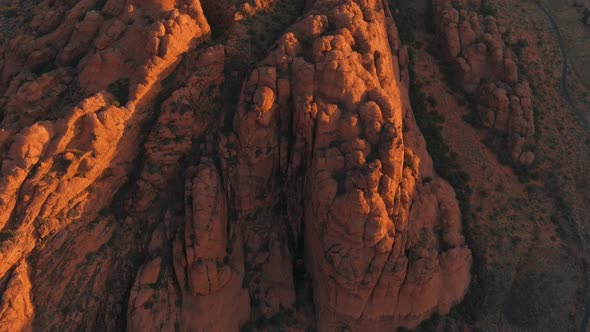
(531, 238)
(577, 42)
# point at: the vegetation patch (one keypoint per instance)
(120, 89)
(447, 166)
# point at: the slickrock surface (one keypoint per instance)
(149, 183)
(486, 67)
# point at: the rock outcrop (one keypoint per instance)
(131, 180)
(487, 68)
(66, 144)
(16, 311)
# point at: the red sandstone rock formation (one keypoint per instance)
(127, 195)
(485, 67)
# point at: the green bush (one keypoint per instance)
(447, 166)
(520, 45)
(6, 235)
(432, 101)
(486, 9)
(120, 89)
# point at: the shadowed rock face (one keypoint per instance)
(487, 68)
(134, 194)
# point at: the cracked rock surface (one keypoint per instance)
(156, 174)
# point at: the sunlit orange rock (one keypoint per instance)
(150, 182)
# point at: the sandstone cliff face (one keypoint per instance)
(373, 264)
(126, 195)
(486, 67)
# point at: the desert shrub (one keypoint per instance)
(520, 45)
(120, 89)
(430, 125)
(278, 322)
(6, 235)
(432, 101)
(473, 117)
(406, 23)
(447, 166)
(11, 13)
(340, 178)
(61, 164)
(522, 70)
(152, 167)
(529, 301)
(497, 143)
(99, 5)
(487, 9)
(44, 68)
